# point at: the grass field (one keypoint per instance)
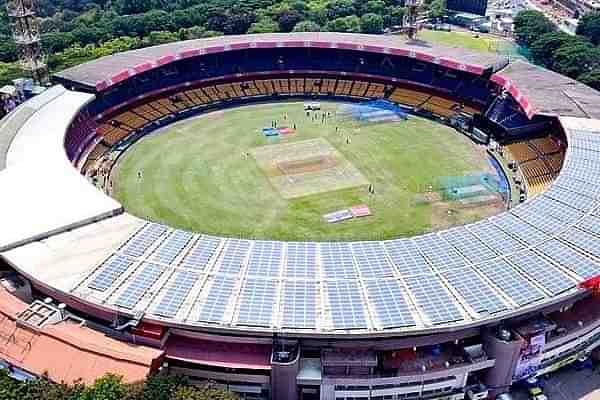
(470, 40)
(202, 175)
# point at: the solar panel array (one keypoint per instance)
(109, 272)
(337, 261)
(176, 292)
(407, 257)
(468, 244)
(257, 301)
(536, 251)
(390, 302)
(346, 305)
(299, 304)
(568, 257)
(439, 252)
(371, 260)
(433, 299)
(513, 284)
(199, 256)
(218, 297)
(139, 285)
(478, 294)
(541, 271)
(233, 256)
(265, 259)
(171, 247)
(143, 240)
(301, 260)
(495, 238)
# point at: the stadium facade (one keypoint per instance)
(469, 309)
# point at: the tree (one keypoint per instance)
(345, 24)
(203, 393)
(542, 49)
(394, 16)
(374, 7)
(589, 26)
(591, 78)
(575, 59)
(339, 8)
(529, 25)
(371, 23)
(436, 9)
(238, 24)
(307, 26)
(264, 25)
(109, 387)
(288, 19)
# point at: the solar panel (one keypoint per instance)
(265, 259)
(139, 285)
(201, 253)
(170, 248)
(570, 258)
(345, 301)
(571, 199)
(336, 260)
(519, 229)
(371, 260)
(590, 224)
(542, 272)
(109, 272)
(439, 252)
(574, 184)
(544, 207)
(407, 258)
(478, 294)
(583, 240)
(495, 238)
(143, 239)
(516, 287)
(218, 297)
(299, 307)
(257, 300)
(390, 303)
(301, 260)
(180, 285)
(533, 212)
(465, 242)
(433, 299)
(233, 256)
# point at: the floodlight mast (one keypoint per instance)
(26, 34)
(410, 17)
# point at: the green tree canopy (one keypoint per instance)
(529, 25)
(589, 27)
(264, 25)
(575, 59)
(345, 24)
(542, 49)
(307, 26)
(371, 23)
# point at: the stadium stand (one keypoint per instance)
(120, 125)
(539, 161)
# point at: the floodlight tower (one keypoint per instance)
(26, 33)
(410, 17)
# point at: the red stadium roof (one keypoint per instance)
(110, 70)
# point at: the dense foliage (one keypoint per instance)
(575, 56)
(110, 387)
(74, 31)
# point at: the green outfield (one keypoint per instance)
(219, 174)
(483, 42)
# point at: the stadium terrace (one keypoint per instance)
(429, 316)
